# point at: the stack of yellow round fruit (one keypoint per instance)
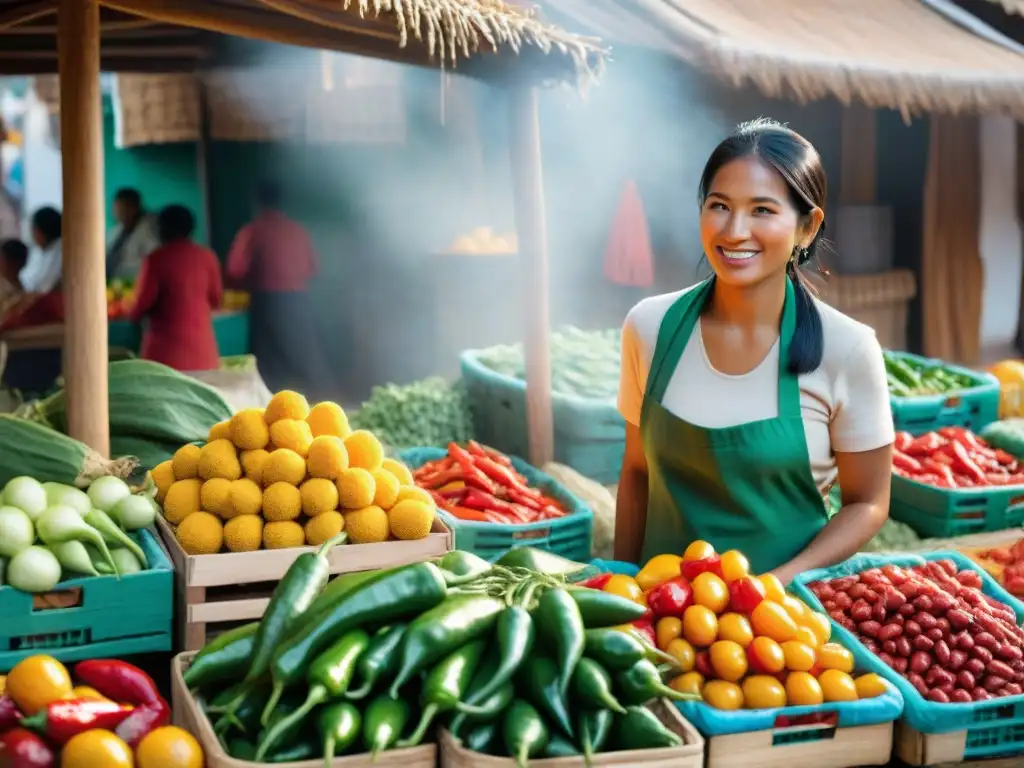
(287, 476)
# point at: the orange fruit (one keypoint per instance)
(169, 747)
(35, 681)
(806, 636)
(819, 624)
(682, 652)
(735, 627)
(710, 591)
(666, 630)
(729, 660)
(802, 690)
(689, 682)
(85, 692)
(773, 589)
(625, 586)
(700, 626)
(658, 570)
(834, 656)
(96, 749)
(766, 656)
(770, 619)
(796, 608)
(698, 550)
(763, 692)
(722, 694)
(799, 657)
(837, 686)
(734, 565)
(869, 686)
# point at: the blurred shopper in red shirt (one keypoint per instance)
(178, 290)
(273, 258)
(17, 308)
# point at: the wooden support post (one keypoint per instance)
(858, 156)
(528, 191)
(83, 240)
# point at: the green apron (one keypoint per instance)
(747, 487)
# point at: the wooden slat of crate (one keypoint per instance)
(236, 586)
(840, 748)
(943, 750)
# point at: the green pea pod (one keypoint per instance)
(537, 682)
(595, 726)
(484, 738)
(514, 632)
(592, 686)
(384, 719)
(603, 609)
(225, 658)
(559, 746)
(640, 728)
(379, 661)
(539, 560)
(560, 628)
(329, 677)
(642, 682)
(461, 567)
(441, 630)
(524, 731)
(618, 651)
(444, 686)
(339, 725)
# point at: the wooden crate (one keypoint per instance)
(188, 715)
(215, 592)
(821, 746)
(943, 750)
(690, 755)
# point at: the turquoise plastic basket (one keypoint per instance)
(568, 536)
(945, 513)
(232, 332)
(590, 435)
(972, 408)
(113, 617)
(994, 728)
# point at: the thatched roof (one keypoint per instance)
(898, 54)
(150, 35)
(1011, 6)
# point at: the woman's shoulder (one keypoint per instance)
(847, 342)
(646, 315)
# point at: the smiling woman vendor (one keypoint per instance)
(746, 398)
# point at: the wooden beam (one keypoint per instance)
(25, 13)
(83, 240)
(531, 231)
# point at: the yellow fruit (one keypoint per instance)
(411, 520)
(837, 686)
(169, 747)
(291, 434)
(85, 692)
(328, 419)
(243, 533)
(35, 681)
(220, 431)
(367, 525)
(721, 694)
(253, 462)
(658, 570)
(688, 682)
(835, 656)
(281, 501)
(771, 620)
(96, 748)
(283, 535)
(219, 459)
(356, 488)
(700, 626)
(386, 487)
(327, 457)
(185, 462)
(3, 684)
(286, 405)
(728, 659)
(318, 496)
(415, 493)
(666, 630)
(249, 430)
(246, 497)
(796, 609)
(773, 589)
(763, 692)
(283, 466)
(869, 686)
(698, 550)
(364, 450)
(802, 690)
(819, 624)
(201, 534)
(735, 627)
(734, 565)
(805, 635)
(683, 652)
(399, 470)
(799, 657)
(163, 478)
(323, 527)
(215, 497)
(183, 498)
(710, 591)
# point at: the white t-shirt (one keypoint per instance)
(845, 401)
(43, 270)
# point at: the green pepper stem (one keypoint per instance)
(610, 702)
(329, 743)
(523, 754)
(426, 719)
(331, 543)
(317, 696)
(361, 692)
(275, 697)
(470, 709)
(671, 693)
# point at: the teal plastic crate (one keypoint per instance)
(232, 332)
(590, 435)
(568, 536)
(973, 408)
(111, 618)
(944, 513)
(994, 728)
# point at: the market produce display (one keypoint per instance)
(954, 457)
(510, 657)
(479, 484)
(909, 377)
(739, 640)
(583, 363)
(104, 713)
(1005, 564)
(1006, 435)
(50, 532)
(430, 412)
(483, 241)
(120, 294)
(933, 625)
(1010, 374)
(288, 476)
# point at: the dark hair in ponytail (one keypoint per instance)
(796, 160)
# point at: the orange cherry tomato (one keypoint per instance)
(729, 660)
(722, 694)
(35, 681)
(869, 686)
(626, 587)
(735, 627)
(802, 690)
(710, 591)
(689, 682)
(771, 620)
(658, 570)
(666, 630)
(796, 608)
(683, 652)
(698, 550)
(766, 656)
(734, 565)
(806, 636)
(773, 589)
(834, 656)
(819, 624)
(837, 686)
(763, 692)
(799, 657)
(700, 626)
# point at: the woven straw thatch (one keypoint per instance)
(155, 109)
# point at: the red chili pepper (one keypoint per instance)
(903, 439)
(62, 720)
(10, 715)
(925, 444)
(596, 582)
(941, 470)
(475, 499)
(527, 501)
(670, 598)
(553, 512)
(454, 495)
(503, 475)
(965, 437)
(645, 628)
(441, 479)
(694, 568)
(119, 681)
(143, 720)
(745, 595)
(962, 461)
(20, 748)
(1004, 458)
(904, 462)
(465, 513)
(482, 450)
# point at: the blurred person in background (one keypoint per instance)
(13, 257)
(19, 309)
(132, 239)
(273, 258)
(178, 290)
(42, 272)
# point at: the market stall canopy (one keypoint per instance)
(912, 55)
(175, 35)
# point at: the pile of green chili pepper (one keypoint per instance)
(512, 658)
(909, 377)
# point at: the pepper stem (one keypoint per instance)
(610, 702)
(361, 692)
(671, 693)
(429, 712)
(317, 696)
(523, 754)
(275, 698)
(328, 545)
(329, 743)
(471, 709)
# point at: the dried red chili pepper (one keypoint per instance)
(20, 748)
(118, 680)
(10, 715)
(143, 720)
(62, 720)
